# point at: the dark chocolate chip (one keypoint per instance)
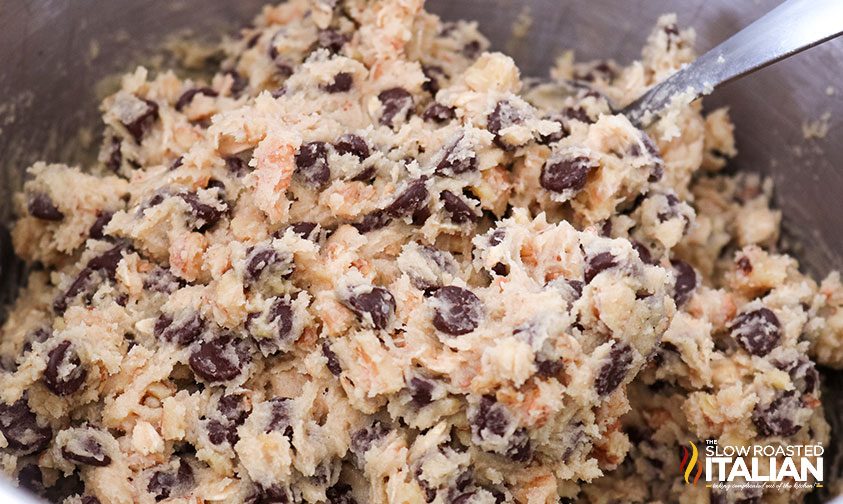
(497, 236)
(64, 374)
(686, 281)
(219, 359)
(41, 206)
(187, 97)
(503, 116)
(431, 85)
(332, 40)
(410, 200)
(87, 451)
(372, 221)
(378, 304)
(115, 155)
(458, 209)
(457, 311)
(312, 164)
(438, 113)
(352, 144)
(340, 493)
(258, 259)
(520, 449)
(183, 333)
(489, 416)
(238, 83)
(279, 415)
(598, 264)
(97, 228)
(304, 229)
(334, 365)
(236, 165)
(341, 84)
(454, 162)
(141, 123)
(205, 216)
(162, 280)
(615, 368)
(162, 483)
(397, 105)
(779, 418)
(21, 430)
(757, 331)
(362, 440)
(421, 391)
(568, 173)
(643, 252)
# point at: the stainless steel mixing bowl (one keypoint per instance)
(56, 54)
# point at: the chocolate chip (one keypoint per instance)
(304, 229)
(410, 200)
(372, 221)
(362, 440)
(236, 165)
(274, 494)
(566, 174)
(431, 85)
(503, 116)
(686, 281)
(312, 164)
(457, 311)
(375, 307)
(86, 450)
(397, 105)
(459, 209)
(597, 264)
(162, 280)
(757, 331)
(421, 391)
(162, 483)
(556, 136)
(331, 39)
(779, 417)
(279, 415)
(471, 50)
(115, 155)
(367, 175)
(142, 121)
(219, 359)
(549, 368)
(438, 113)
(19, 426)
(90, 499)
(744, 264)
(455, 162)
(497, 236)
(184, 333)
(333, 362)
(520, 449)
(577, 114)
(233, 408)
(187, 97)
(205, 216)
(643, 252)
(41, 206)
(30, 478)
(97, 228)
(108, 261)
(281, 316)
(340, 493)
(489, 418)
(258, 259)
(238, 82)
(615, 368)
(352, 144)
(64, 374)
(341, 84)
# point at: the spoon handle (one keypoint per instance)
(792, 27)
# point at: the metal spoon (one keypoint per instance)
(792, 27)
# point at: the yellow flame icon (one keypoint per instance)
(691, 463)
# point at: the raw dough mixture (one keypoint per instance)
(368, 262)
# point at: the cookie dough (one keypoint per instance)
(366, 261)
